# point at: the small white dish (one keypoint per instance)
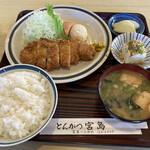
(121, 39)
(97, 29)
(53, 98)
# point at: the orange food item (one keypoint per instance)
(67, 27)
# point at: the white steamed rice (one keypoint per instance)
(24, 103)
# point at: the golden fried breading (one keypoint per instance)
(42, 53)
(47, 43)
(41, 62)
(42, 49)
(86, 52)
(52, 43)
(29, 54)
(43, 42)
(64, 47)
(50, 55)
(74, 51)
(53, 58)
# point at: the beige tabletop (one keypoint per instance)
(9, 10)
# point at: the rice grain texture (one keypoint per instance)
(24, 103)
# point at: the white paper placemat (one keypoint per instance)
(91, 126)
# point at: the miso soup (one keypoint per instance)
(127, 94)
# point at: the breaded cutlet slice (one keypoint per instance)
(47, 43)
(42, 53)
(52, 43)
(86, 52)
(41, 62)
(74, 51)
(29, 54)
(64, 53)
(53, 58)
(43, 42)
(42, 48)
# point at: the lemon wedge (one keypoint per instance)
(124, 27)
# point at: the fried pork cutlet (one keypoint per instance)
(47, 43)
(53, 58)
(41, 62)
(42, 53)
(74, 51)
(64, 48)
(50, 55)
(43, 42)
(29, 54)
(86, 52)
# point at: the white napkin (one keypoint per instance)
(91, 126)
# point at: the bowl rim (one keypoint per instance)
(50, 80)
(109, 71)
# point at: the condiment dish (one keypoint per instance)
(119, 42)
(125, 16)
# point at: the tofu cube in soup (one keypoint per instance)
(131, 78)
(143, 100)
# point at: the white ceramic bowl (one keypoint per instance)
(121, 39)
(4, 142)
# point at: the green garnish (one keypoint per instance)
(131, 104)
(136, 47)
(131, 41)
(57, 22)
(129, 47)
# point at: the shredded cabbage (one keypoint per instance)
(43, 25)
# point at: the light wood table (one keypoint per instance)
(9, 10)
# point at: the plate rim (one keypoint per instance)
(69, 78)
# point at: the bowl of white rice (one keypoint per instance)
(28, 100)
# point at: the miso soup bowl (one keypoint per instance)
(126, 67)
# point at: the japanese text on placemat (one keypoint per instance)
(84, 127)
